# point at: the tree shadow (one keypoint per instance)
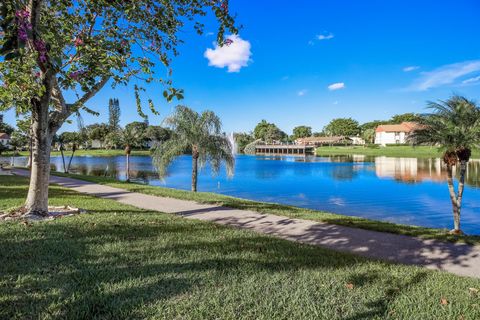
(462, 259)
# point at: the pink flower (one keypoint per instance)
(228, 42)
(22, 14)
(23, 24)
(78, 41)
(76, 75)
(224, 5)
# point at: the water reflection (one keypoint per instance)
(403, 190)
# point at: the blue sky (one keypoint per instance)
(307, 63)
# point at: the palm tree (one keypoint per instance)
(130, 137)
(199, 134)
(454, 125)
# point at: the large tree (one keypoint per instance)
(157, 134)
(454, 125)
(51, 47)
(268, 132)
(97, 131)
(200, 134)
(301, 132)
(405, 117)
(342, 127)
(242, 139)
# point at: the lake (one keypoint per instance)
(402, 190)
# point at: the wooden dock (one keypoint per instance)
(292, 149)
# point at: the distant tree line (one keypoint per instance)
(269, 132)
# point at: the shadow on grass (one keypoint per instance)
(85, 268)
(285, 210)
(381, 307)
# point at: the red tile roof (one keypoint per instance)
(403, 127)
(4, 136)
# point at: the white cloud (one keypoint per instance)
(285, 78)
(326, 36)
(335, 102)
(301, 93)
(471, 80)
(321, 37)
(410, 68)
(444, 75)
(336, 86)
(209, 34)
(233, 56)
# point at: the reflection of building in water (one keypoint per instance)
(409, 169)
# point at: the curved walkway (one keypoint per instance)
(460, 259)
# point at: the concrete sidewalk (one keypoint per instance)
(460, 259)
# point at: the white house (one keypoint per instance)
(394, 133)
(97, 144)
(4, 139)
(358, 141)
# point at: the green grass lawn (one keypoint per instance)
(391, 151)
(120, 262)
(90, 152)
(282, 210)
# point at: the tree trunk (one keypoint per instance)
(128, 150)
(128, 167)
(461, 186)
(453, 199)
(63, 158)
(74, 148)
(37, 198)
(30, 150)
(194, 168)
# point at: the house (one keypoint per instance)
(97, 144)
(4, 139)
(394, 133)
(320, 141)
(358, 141)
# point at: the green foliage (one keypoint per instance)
(3, 148)
(405, 117)
(70, 137)
(56, 47)
(453, 125)
(301, 132)
(6, 128)
(268, 132)
(369, 135)
(242, 140)
(342, 127)
(193, 130)
(97, 131)
(114, 114)
(162, 266)
(372, 125)
(157, 134)
(133, 135)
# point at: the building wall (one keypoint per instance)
(383, 138)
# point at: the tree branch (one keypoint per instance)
(64, 110)
(89, 94)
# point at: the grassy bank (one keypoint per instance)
(120, 262)
(390, 151)
(283, 210)
(90, 152)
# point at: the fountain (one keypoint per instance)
(233, 143)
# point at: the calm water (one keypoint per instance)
(402, 190)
